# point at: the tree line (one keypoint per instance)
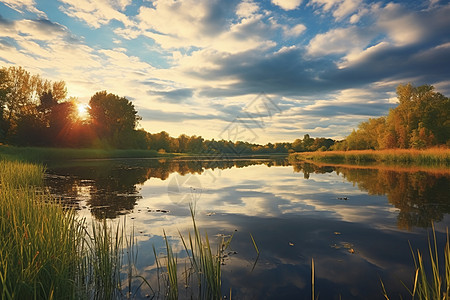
(37, 112)
(421, 120)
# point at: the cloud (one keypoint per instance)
(402, 27)
(339, 41)
(173, 96)
(339, 8)
(287, 4)
(216, 55)
(246, 9)
(24, 5)
(96, 13)
(221, 25)
(405, 27)
(294, 30)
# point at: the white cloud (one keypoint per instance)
(287, 4)
(21, 5)
(340, 8)
(346, 8)
(295, 30)
(247, 9)
(96, 13)
(339, 41)
(402, 27)
(193, 26)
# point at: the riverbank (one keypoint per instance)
(433, 156)
(45, 154)
(41, 154)
(48, 252)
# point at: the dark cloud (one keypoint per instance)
(5, 22)
(360, 109)
(5, 44)
(218, 16)
(173, 96)
(164, 116)
(48, 27)
(292, 72)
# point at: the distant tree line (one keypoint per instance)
(37, 112)
(421, 120)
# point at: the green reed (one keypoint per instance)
(39, 240)
(205, 264)
(45, 250)
(430, 280)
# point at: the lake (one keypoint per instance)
(356, 223)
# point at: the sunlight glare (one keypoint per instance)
(83, 110)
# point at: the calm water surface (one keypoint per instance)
(354, 222)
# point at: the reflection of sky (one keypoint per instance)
(293, 220)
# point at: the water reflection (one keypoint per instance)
(420, 196)
(294, 212)
(111, 187)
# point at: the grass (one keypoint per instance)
(202, 274)
(432, 156)
(38, 154)
(39, 241)
(430, 280)
(46, 252)
(205, 264)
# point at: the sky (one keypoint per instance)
(260, 71)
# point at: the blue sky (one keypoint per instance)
(195, 66)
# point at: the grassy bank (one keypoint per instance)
(38, 154)
(46, 251)
(434, 156)
(40, 242)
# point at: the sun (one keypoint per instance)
(83, 111)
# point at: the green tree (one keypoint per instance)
(113, 117)
(420, 120)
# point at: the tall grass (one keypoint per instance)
(203, 272)
(430, 280)
(45, 250)
(39, 241)
(19, 174)
(205, 263)
(437, 284)
(433, 156)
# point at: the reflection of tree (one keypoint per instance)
(421, 197)
(308, 168)
(112, 184)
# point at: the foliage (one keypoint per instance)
(421, 120)
(35, 112)
(20, 94)
(113, 118)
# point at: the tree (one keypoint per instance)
(420, 120)
(113, 117)
(26, 98)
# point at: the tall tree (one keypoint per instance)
(113, 117)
